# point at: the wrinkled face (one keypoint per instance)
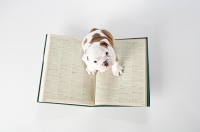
(100, 58)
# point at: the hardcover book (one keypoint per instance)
(64, 79)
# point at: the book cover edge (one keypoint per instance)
(148, 76)
(42, 69)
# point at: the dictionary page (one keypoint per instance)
(64, 79)
(130, 88)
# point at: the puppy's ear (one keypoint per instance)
(109, 36)
(85, 58)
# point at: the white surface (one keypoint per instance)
(173, 28)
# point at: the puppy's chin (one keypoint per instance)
(103, 69)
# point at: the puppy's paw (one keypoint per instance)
(93, 72)
(117, 70)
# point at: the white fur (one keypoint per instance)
(95, 52)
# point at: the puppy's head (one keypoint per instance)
(100, 56)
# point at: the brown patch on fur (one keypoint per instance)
(116, 58)
(94, 29)
(96, 35)
(97, 39)
(84, 41)
(109, 36)
(104, 44)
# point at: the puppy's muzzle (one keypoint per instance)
(105, 63)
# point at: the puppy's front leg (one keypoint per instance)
(116, 68)
(89, 68)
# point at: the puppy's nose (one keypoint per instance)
(105, 63)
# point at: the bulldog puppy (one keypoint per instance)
(99, 54)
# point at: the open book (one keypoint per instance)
(64, 79)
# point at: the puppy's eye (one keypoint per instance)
(106, 53)
(95, 61)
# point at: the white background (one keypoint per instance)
(173, 29)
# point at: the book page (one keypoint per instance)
(129, 89)
(64, 78)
